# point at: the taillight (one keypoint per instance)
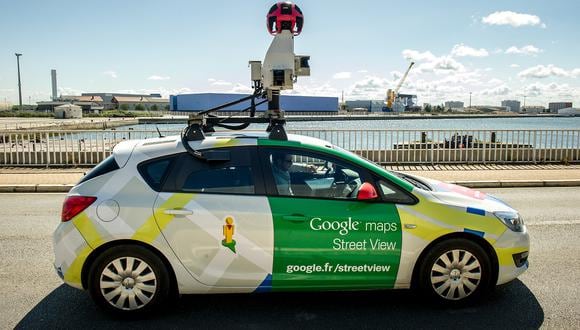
(74, 205)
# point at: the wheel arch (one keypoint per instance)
(471, 237)
(96, 252)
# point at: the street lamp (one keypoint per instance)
(19, 85)
(469, 100)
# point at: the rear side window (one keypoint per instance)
(104, 167)
(225, 180)
(154, 171)
(235, 176)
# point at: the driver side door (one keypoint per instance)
(324, 237)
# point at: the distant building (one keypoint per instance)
(288, 103)
(108, 103)
(86, 103)
(555, 106)
(454, 105)
(368, 105)
(533, 109)
(569, 112)
(139, 103)
(512, 105)
(407, 103)
(68, 111)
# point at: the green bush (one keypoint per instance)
(26, 114)
(139, 107)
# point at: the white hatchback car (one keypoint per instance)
(249, 213)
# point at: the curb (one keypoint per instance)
(63, 188)
(518, 183)
(35, 188)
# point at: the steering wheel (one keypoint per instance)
(352, 187)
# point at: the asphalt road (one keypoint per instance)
(32, 296)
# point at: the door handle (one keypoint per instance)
(178, 212)
(294, 218)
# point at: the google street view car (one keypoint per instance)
(241, 212)
(252, 212)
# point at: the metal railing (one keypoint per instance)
(387, 147)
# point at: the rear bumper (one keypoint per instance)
(70, 252)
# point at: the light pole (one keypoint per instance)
(469, 100)
(19, 85)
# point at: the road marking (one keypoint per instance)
(550, 223)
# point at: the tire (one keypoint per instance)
(128, 280)
(456, 271)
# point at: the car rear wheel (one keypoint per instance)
(128, 280)
(456, 271)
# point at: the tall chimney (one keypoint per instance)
(53, 76)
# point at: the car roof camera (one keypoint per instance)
(279, 71)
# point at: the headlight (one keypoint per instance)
(511, 219)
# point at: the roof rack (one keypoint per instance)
(204, 122)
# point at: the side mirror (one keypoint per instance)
(366, 192)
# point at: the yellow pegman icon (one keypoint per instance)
(229, 230)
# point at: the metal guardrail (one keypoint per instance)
(387, 147)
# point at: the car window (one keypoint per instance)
(226, 179)
(303, 174)
(106, 166)
(233, 176)
(394, 194)
(154, 171)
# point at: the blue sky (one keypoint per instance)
(494, 49)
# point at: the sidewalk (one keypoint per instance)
(475, 176)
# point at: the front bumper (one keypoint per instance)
(512, 249)
(70, 252)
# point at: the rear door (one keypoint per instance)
(217, 220)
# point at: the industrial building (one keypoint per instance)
(533, 109)
(365, 105)
(511, 105)
(289, 103)
(555, 106)
(402, 103)
(454, 105)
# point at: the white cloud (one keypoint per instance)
(111, 74)
(514, 65)
(575, 72)
(551, 91)
(501, 90)
(362, 71)
(462, 50)
(370, 87)
(314, 89)
(342, 75)
(221, 83)
(416, 56)
(512, 18)
(541, 71)
(69, 91)
(427, 62)
(525, 50)
(155, 77)
(240, 88)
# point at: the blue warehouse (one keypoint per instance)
(289, 103)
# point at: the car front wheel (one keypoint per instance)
(456, 271)
(128, 280)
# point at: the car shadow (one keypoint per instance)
(510, 306)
